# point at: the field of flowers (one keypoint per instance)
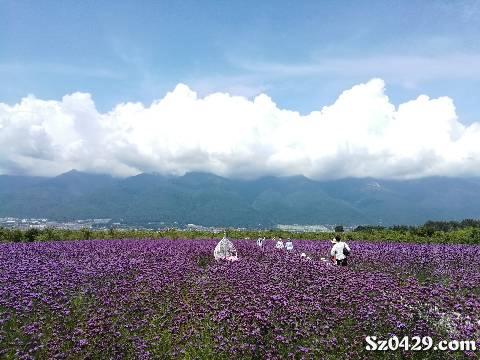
(170, 299)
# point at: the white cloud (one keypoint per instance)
(361, 134)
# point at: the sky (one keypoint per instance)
(325, 89)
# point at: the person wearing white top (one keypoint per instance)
(289, 245)
(279, 244)
(338, 252)
(260, 242)
(225, 250)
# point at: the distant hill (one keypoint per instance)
(210, 200)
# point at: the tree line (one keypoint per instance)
(429, 226)
(448, 232)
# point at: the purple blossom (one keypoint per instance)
(154, 298)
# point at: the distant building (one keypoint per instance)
(303, 228)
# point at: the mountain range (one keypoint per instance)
(210, 200)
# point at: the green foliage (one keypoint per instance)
(15, 235)
(368, 228)
(31, 234)
(428, 233)
(49, 234)
(86, 234)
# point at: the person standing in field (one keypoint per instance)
(340, 251)
(260, 242)
(289, 245)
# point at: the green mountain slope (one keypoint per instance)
(208, 199)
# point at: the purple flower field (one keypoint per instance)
(170, 299)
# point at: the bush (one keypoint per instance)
(31, 234)
(16, 235)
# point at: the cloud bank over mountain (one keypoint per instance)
(361, 134)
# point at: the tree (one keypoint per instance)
(86, 233)
(16, 235)
(31, 234)
(339, 228)
(111, 233)
(475, 236)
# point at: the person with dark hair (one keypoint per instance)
(340, 251)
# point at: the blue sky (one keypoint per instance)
(303, 54)
(325, 89)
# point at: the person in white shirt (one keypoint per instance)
(260, 242)
(289, 245)
(279, 244)
(340, 251)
